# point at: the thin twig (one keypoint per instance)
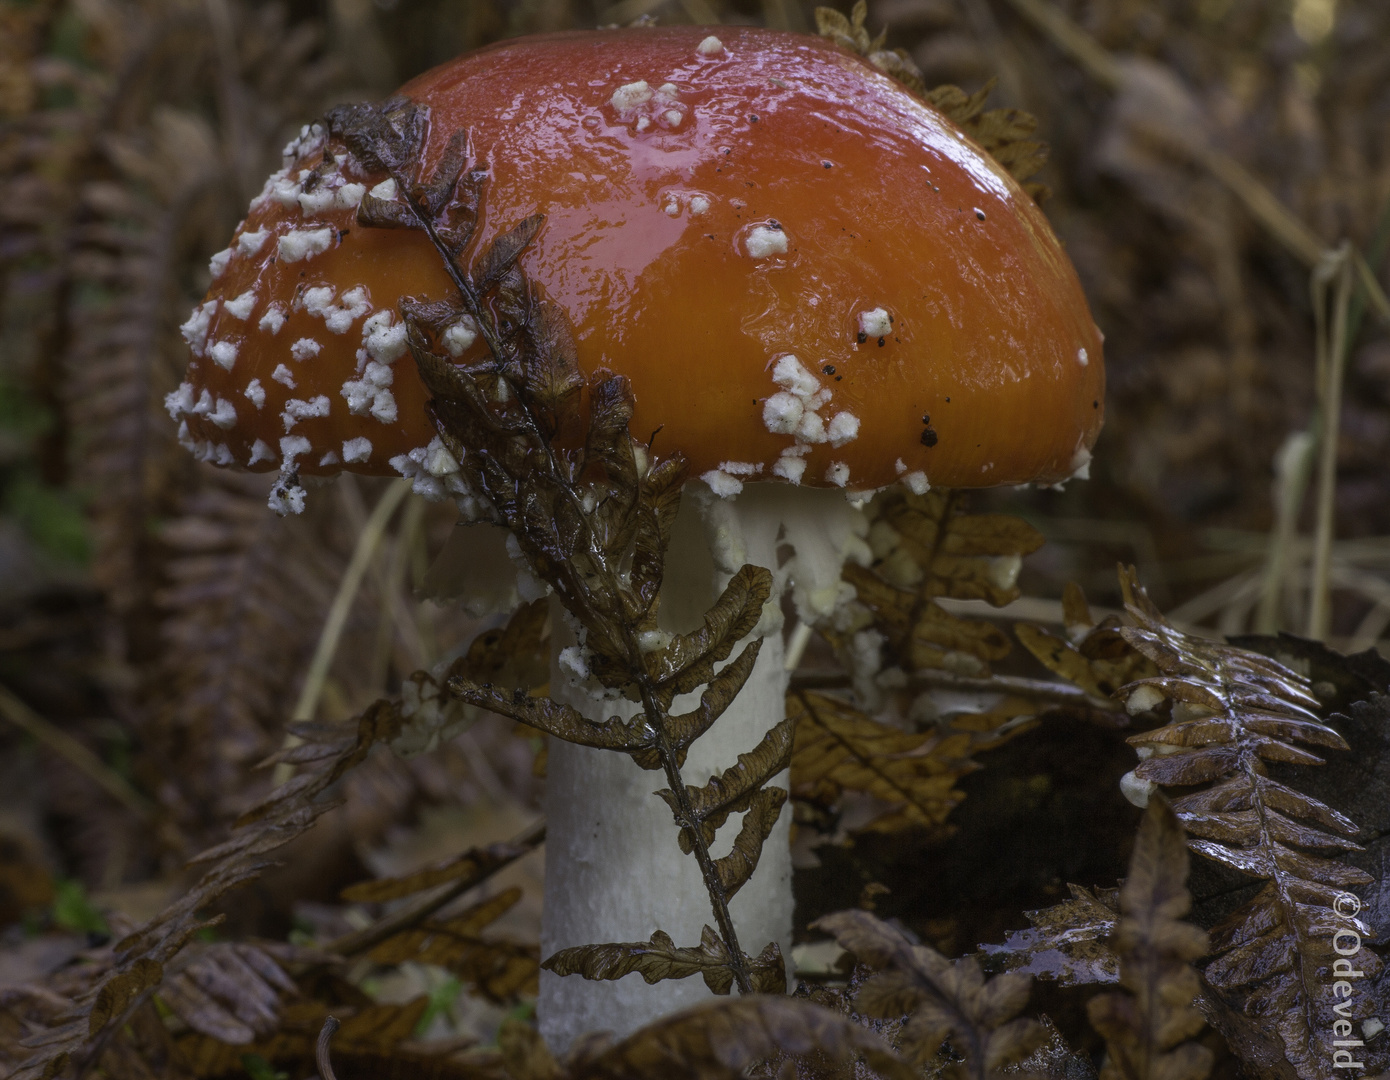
(1334, 273)
(56, 739)
(334, 623)
(321, 1055)
(1041, 689)
(1293, 468)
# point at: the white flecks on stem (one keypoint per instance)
(299, 244)
(284, 376)
(255, 393)
(357, 450)
(223, 354)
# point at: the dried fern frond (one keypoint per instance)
(1094, 656)
(938, 999)
(723, 1040)
(839, 748)
(498, 970)
(1068, 943)
(372, 1040)
(546, 451)
(1147, 1027)
(326, 753)
(851, 34)
(924, 547)
(1234, 715)
(1005, 134)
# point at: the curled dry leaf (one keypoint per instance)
(229, 991)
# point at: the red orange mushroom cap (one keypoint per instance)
(806, 272)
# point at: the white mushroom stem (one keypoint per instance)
(614, 871)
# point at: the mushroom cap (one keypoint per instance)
(804, 270)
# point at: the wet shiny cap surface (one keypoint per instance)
(806, 272)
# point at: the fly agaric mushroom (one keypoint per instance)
(811, 279)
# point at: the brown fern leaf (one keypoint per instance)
(549, 455)
(722, 1040)
(839, 748)
(499, 970)
(940, 999)
(1233, 713)
(1147, 1030)
(851, 34)
(231, 991)
(1005, 134)
(1094, 656)
(660, 958)
(1068, 943)
(372, 1040)
(924, 547)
